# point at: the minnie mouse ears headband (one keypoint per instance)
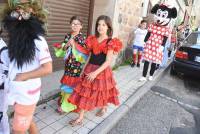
(172, 10)
(166, 5)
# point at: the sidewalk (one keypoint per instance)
(50, 122)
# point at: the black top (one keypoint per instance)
(98, 59)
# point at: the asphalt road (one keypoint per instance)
(170, 107)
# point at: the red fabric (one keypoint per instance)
(134, 58)
(98, 47)
(89, 95)
(173, 39)
(152, 52)
(57, 45)
(70, 81)
(81, 49)
(115, 45)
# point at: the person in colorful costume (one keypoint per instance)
(75, 58)
(156, 38)
(98, 87)
(30, 59)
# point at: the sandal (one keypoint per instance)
(101, 112)
(59, 111)
(76, 122)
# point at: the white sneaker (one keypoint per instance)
(143, 79)
(150, 78)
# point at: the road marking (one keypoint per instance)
(176, 101)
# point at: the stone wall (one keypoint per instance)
(127, 15)
(102, 7)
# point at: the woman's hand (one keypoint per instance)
(65, 47)
(71, 42)
(91, 76)
(20, 77)
(161, 48)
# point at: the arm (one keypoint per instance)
(91, 76)
(85, 64)
(147, 36)
(67, 42)
(43, 70)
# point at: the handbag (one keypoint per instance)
(58, 50)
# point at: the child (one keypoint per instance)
(97, 88)
(4, 62)
(75, 58)
(29, 60)
(138, 44)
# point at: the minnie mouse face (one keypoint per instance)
(163, 14)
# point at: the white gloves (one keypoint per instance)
(161, 48)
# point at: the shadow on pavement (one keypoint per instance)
(193, 130)
(193, 86)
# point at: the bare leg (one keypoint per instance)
(79, 120)
(33, 128)
(102, 111)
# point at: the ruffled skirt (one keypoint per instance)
(89, 95)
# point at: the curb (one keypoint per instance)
(106, 125)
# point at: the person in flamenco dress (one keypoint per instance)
(98, 87)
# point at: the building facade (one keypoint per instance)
(125, 14)
(59, 14)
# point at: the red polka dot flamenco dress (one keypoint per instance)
(102, 90)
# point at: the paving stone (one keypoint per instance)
(47, 130)
(35, 119)
(90, 125)
(72, 115)
(65, 130)
(41, 125)
(83, 130)
(49, 120)
(57, 125)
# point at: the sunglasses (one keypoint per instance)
(20, 15)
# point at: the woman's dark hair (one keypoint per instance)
(108, 23)
(143, 21)
(1, 31)
(75, 18)
(1, 28)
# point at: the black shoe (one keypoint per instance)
(132, 64)
(138, 64)
(157, 66)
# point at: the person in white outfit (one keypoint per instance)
(30, 60)
(4, 63)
